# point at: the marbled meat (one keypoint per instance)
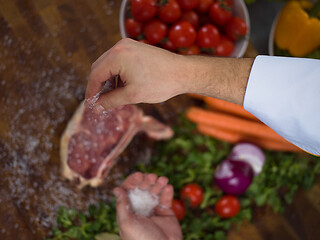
(92, 142)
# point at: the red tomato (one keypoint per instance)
(220, 13)
(204, 5)
(192, 50)
(143, 10)
(155, 31)
(191, 17)
(229, 2)
(133, 27)
(236, 28)
(208, 36)
(228, 206)
(188, 4)
(170, 12)
(182, 34)
(168, 45)
(225, 47)
(193, 193)
(178, 208)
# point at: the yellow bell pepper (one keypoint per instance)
(296, 30)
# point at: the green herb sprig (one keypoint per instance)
(73, 224)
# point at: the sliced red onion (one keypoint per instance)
(233, 177)
(249, 153)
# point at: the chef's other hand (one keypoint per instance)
(162, 225)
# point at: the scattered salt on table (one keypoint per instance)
(143, 202)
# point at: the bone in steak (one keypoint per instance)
(92, 142)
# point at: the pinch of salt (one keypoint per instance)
(142, 201)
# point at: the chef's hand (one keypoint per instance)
(150, 74)
(162, 225)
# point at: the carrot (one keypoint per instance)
(228, 107)
(232, 124)
(227, 136)
(196, 96)
(232, 137)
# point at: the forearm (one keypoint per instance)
(223, 78)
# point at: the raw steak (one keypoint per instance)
(92, 142)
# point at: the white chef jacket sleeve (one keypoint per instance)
(284, 93)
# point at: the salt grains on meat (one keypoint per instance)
(103, 138)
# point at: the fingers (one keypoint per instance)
(166, 196)
(149, 180)
(144, 182)
(115, 98)
(133, 181)
(99, 60)
(105, 67)
(158, 186)
(122, 205)
(146, 78)
(165, 201)
(98, 76)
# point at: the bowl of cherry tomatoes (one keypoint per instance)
(191, 27)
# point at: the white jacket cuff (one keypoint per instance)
(284, 93)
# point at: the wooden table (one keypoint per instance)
(46, 50)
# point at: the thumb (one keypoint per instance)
(112, 99)
(122, 205)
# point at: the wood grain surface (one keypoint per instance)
(46, 50)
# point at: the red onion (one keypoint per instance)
(249, 153)
(233, 177)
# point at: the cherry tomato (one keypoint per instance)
(208, 36)
(168, 45)
(182, 34)
(228, 206)
(133, 27)
(178, 208)
(236, 28)
(229, 2)
(143, 10)
(220, 13)
(155, 31)
(192, 50)
(225, 47)
(188, 4)
(170, 12)
(191, 17)
(192, 192)
(204, 6)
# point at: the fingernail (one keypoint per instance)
(163, 180)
